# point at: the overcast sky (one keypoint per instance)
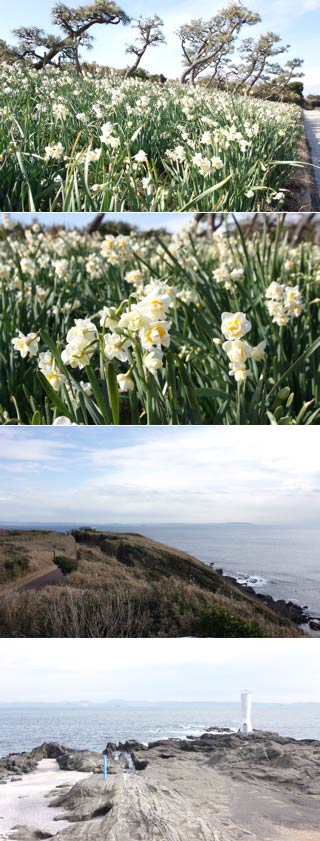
(296, 21)
(280, 670)
(160, 474)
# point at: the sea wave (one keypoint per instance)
(252, 580)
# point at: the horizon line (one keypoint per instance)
(145, 701)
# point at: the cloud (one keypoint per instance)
(164, 474)
(178, 669)
(28, 447)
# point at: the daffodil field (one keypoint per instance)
(98, 143)
(164, 329)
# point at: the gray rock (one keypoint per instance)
(213, 787)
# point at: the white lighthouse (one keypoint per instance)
(246, 704)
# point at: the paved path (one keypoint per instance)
(51, 577)
(54, 577)
(312, 126)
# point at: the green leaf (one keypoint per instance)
(207, 192)
(55, 399)
(306, 353)
(113, 392)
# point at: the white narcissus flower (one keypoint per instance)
(107, 318)
(135, 276)
(132, 320)
(106, 132)
(237, 351)
(187, 296)
(217, 163)
(180, 153)
(116, 346)
(147, 183)
(63, 421)
(258, 352)
(83, 329)
(281, 320)
(114, 142)
(240, 374)
(81, 343)
(54, 151)
(202, 163)
(292, 297)
(140, 157)
(275, 308)
(236, 274)
(77, 354)
(86, 387)
(283, 302)
(156, 334)
(154, 308)
(234, 325)
(47, 366)
(27, 266)
(275, 291)
(221, 274)
(94, 154)
(59, 110)
(125, 382)
(26, 345)
(206, 137)
(154, 360)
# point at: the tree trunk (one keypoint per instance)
(76, 57)
(193, 77)
(132, 69)
(210, 226)
(257, 76)
(95, 224)
(47, 58)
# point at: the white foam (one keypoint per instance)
(251, 580)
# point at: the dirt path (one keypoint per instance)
(312, 126)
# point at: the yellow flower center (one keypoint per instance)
(234, 326)
(156, 332)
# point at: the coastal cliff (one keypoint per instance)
(107, 584)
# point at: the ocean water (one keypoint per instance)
(283, 562)
(23, 726)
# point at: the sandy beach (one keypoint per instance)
(26, 801)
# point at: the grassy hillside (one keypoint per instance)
(127, 585)
(24, 553)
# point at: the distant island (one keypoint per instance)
(90, 583)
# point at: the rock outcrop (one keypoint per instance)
(215, 787)
(68, 760)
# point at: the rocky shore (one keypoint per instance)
(220, 786)
(287, 609)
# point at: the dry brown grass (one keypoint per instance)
(37, 547)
